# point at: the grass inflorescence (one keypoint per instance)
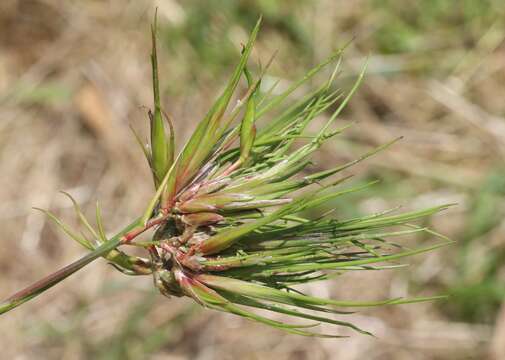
(227, 211)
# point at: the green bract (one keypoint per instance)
(227, 212)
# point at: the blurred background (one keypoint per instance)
(75, 74)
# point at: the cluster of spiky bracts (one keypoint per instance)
(227, 212)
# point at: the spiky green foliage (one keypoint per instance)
(227, 212)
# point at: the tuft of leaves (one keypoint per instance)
(226, 212)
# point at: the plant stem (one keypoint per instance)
(49, 281)
(123, 237)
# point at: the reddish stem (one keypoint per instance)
(129, 236)
(49, 281)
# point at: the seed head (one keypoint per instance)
(228, 211)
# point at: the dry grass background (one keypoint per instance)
(74, 74)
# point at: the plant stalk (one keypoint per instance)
(37, 288)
